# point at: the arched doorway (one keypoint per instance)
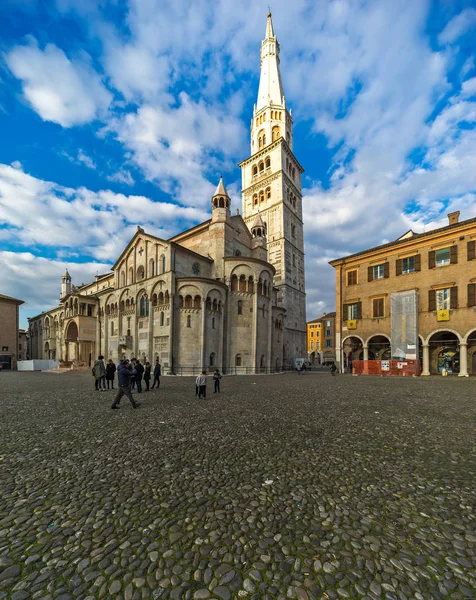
(444, 352)
(353, 350)
(379, 347)
(71, 339)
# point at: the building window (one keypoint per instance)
(378, 308)
(408, 264)
(144, 306)
(213, 326)
(352, 277)
(240, 307)
(352, 311)
(312, 333)
(442, 257)
(189, 321)
(212, 359)
(328, 323)
(112, 328)
(238, 360)
(328, 332)
(328, 344)
(4, 348)
(443, 299)
(378, 272)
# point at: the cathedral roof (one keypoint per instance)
(259, 222)
(270, 89)
(66, 274)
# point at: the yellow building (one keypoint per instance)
(314, 336)
(436, 268)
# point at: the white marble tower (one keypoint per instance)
(271, 186)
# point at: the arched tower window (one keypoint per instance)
(189, 321)
(144, 306)
(238, 360)
(240, 307)
(161, 318)
(267, 162)
(276, 133)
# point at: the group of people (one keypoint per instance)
(201, 384)
(131, 373)
(104, 374)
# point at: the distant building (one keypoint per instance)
(22, 344)
(437, 271)
(321, 336)
(9, 338)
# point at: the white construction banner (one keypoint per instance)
(404, 324)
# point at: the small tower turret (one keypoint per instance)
(258, 231)
(220, 203)
(65, 284)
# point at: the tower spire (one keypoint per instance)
(270, 86)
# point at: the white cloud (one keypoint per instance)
(122, 176)
(458, 26)
(175, 146)
(37, 280)
(99, 224)
(64, 91)
(81, 158)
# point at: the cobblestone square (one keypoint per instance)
(281, 486)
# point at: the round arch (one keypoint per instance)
(427, 341)
(444, 347)
(379, 347)
(72, 332)
(468, 335)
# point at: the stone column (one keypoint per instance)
(463, 360)
(221, 325)
(203, 346)
(270, 333)
(254, 329)
(80, 348)
(171, 330)
(426, 360)
(366, 352)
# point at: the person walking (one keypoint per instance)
(147, 375)
(99, 372)
(157, 373)
(216, 381)
(333, 369)
(139, 368)
(110, 373)
(124, 374)
(201, 383)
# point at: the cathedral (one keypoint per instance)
(228, 293)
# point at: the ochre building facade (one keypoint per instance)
(9, 332)
(440, 266)
(228, 293)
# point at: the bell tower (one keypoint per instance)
(65, 284)
(271, 186)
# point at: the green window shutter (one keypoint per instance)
(431, 259)
(471, 294)
(454, 296)
(359, 310)
(453, 255)
(431, 300)
(471, 250)
(417, 262)
(370, 272)
(398, 266)
(386, 270)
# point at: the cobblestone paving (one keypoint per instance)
(280, 487)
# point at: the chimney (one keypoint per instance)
(453, 217)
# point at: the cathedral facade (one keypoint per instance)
(228, 293)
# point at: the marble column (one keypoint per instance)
(426, 360)
(463, 360)
(203, 336)
(366, 352)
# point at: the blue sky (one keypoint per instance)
(118, 113)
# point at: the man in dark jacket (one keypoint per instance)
(139, 372)
(157, 374)
(124, 374)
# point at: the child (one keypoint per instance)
(216, 381)
(201, 383)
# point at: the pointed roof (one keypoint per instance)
(270, 85)
(269, 27)
(221, 190)
(66, 274)
(258, 221)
